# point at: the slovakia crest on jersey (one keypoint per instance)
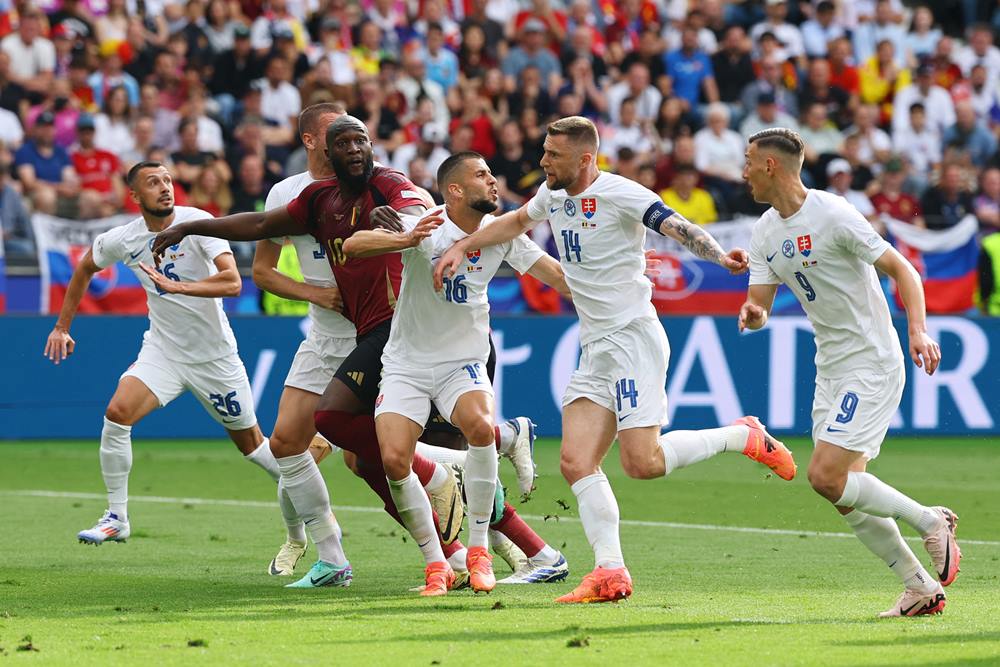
(589, 207)
(805, 244)
(474, 256)
(569, 207)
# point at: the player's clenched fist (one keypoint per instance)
(751, 317)
(59, 345)
(925, 352)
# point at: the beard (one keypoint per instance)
(560, 183)
(352, 182)
(484, 205)
(157, 212)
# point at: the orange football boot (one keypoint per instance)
(438, 577)
(763, 448)
(480, 564)
(601, 585)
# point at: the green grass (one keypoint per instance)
(190, 586)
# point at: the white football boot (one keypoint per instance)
(108, 529)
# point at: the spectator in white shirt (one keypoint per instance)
(766, 114)
(787, 34)
(11, 132)
(817, 33)
(937, 102)
(885, 26)
(32, 56)
(280, 101)
(629, 131)
(875, 145)
(839, 175)
(918, 144)
(636, 85)
(719, 150)
(429, 147)
(981, 50)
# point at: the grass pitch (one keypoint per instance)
(190, 585)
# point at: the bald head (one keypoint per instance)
(343, 124)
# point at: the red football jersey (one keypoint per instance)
(96, 169)
(368, 285)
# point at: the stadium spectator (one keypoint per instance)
(64, 41)
(111, 75)
(689, 70)
(233, 70)
(516, 169)
(493, 31)
(429, 147)
(220, 27)
(581, 83)
(473, 113)
(685, 197)
(45, 170)
(12, 94)
(112, 26)
(531, 93)
(629, 131)
(74, 16)
(373, 108)
(819, 31)
(862, 172)
(211, 192)
(982, 92)
(987, 203)
(649, 52)
(442, 64)
(938, 106)
(15, 223)
(843, 73)
(946, 72)
(59, 101)
(922, 36)
(821, 143)
(874, 145)
(11, 132)
(770, 81)
(918, 144)
(209, 131)
(433, 11)
(280, 102)
(839, 176)
(870, 35)
(882, 79)
(165, 121)
(989, 275)
(114, 123)
(189, 159)
(719, 152)
(421, 175)
(552, 20)
(532, 51)
(32, 56)
(733, 68)
(818, 89)
(946, 203)
(99, 173)
(889, 198)
(765, 115)
(275, 17)
(979, 50)
(143, 133)
(635, 84)
(474, 58)
(787, 34)
(970, 136)
(414, 84)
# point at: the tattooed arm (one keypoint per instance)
(702, 244)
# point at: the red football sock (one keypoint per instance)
(520, 533)
(452, 548)
(355, 433)
(496, 436)
(424, 468)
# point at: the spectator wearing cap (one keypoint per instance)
(32, 56)
(770, 81)
(766, 115)
(789, 35)
(839, 176)
(233, 72)
(937, 102)
(276, 17)
(45, 170)
(64, 41)
(280, 101)
(429, 147)
(532, 51)
(922, 36)
(843, 72)
(979, 50)
(442, 64)
(823, 28)
(283, 45)
(685, 197)
(882, 78)
(946, 203)
(884, 27)
(111, 75)
(690, 72)
(970, 136)
(818, 89)
(889, 199)
(114, 123)
(75, 17)
(636, 84)
(98, 171)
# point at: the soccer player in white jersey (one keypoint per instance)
(436, 353)
(189, 345)
(824, 250)
(331, 337)
(599, 222)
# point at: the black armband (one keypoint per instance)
(655, 215)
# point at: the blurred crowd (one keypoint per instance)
(897, 102)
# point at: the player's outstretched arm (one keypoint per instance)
(370, 242)
(702, 244)
(549, 271)
(254, 226)
(268, 278)
(924, 350)
(757, 308)
(60, 344)
(504, 228)
(226, 282)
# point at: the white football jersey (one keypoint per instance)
(188, 329)
(600, 236)
(312, 258)
(824, 253)
(430, 327)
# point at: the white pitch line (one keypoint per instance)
(170, 500)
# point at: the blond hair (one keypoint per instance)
(580, 130)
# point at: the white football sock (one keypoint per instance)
(480, 489)
(599, 516)
(116, 463)
(305, 486)
(871, 495)
(458, 560)
(263, 457)
(442, 454)
(684, 448)
(296, 529)
(438, 479)
(546, 556)
(882, 537)
(415, 510)
(508, 436)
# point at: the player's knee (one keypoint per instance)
(119, 413)
(479, 431)
(396, 463)
(574, 468)
(638, 467)
(281, 447)
(826, 482)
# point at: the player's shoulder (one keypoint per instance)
(288, 188)
(185, 213)
(382, 175)
(123, 232)
(620, 190)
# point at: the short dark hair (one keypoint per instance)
(446, 172)
(917, 106)
(577, 128)
(780, 139)
(311, 114)
(185, 123)
(133, 173)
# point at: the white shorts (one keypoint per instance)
(220, 385)
(626, 372)
(854, 412)
(409, 392)
(317, 359)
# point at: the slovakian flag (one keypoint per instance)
(946, 260)
(61, 244)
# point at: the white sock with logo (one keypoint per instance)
(480, 490)
(116, 463)
(684, 448)
(599, 516)
(305, 486)
(415, 510)
(882, 537)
